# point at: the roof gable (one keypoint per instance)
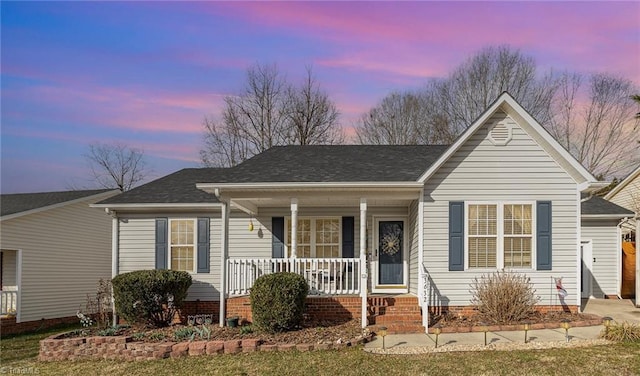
(506, 103)
(634, 175)
(18, 204)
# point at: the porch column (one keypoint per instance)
(294, 227)
(224, 250)
(363, 260)
(115, 227)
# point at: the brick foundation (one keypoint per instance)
(8, 325)
(123, 348)
(335, 308)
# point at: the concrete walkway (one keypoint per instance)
(619, 310)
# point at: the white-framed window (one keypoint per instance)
(316, 237)
(500, 235)
(182, 247)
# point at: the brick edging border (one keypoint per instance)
(515, 327)
(54, 348)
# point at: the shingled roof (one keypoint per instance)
(22, 202)
(598, 206)
(287, 164)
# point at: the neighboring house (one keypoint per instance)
(375, 230)
(54, 248)
(601, 247)
(627, 195)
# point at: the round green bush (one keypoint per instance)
(277, 301)
(151, 297)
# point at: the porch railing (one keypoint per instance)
(325, 276)
(8, 302)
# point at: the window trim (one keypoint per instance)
(500, 234)
(195, 243)
(312, 240)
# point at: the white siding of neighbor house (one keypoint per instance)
(413, 233)
(629, 196)
(65, 251)
(9, 265)
(137, 239)
(604, 237)
(519, 171)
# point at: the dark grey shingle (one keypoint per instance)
(598, 206)
(179, 187)
(21, 202)
(318, 163)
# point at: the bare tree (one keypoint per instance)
(594, 119)
(312, 116)
(269, 112)
(116, 165)
(402, 119)
(473, 86)
(444, 108)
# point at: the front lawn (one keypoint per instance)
(19, 356)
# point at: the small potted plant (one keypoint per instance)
(232, 321)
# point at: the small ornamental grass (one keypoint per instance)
(503, 297)
(277, 301)
(622, 332)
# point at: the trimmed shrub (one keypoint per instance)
(277, 301)
(622, 332)
(150, 297)
(503, 297)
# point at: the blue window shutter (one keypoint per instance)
(162, 242)
(347, 237)
(456, 236)
(543, 235)
(277, 242)
(203, 245)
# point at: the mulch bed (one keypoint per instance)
(310, 332)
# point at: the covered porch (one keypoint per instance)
(9, 276)
(344, 239)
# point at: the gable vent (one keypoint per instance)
(500, 134)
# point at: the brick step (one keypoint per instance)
(398, 328)
(403, 309)
(393, 319)
(387, 301)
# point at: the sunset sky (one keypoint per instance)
(147, 73)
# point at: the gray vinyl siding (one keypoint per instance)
(519, 171)
(604, 237)
(137, 250)
(137, 239)
(413, 233)
(65, 251)
(9, 265)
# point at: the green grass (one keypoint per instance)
(19, 353)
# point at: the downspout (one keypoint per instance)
(637, 218)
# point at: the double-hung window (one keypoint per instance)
(500, 235)
(182, 244)
(316, 237)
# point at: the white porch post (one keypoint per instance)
(115, 227)
(224, 250)
(363, 259)
(294, 228)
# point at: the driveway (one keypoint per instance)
(618, 309)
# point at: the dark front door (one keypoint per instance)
(390, 251)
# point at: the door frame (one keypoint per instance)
(586, 249)
(389, 289)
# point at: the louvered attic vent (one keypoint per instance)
(500, 134)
